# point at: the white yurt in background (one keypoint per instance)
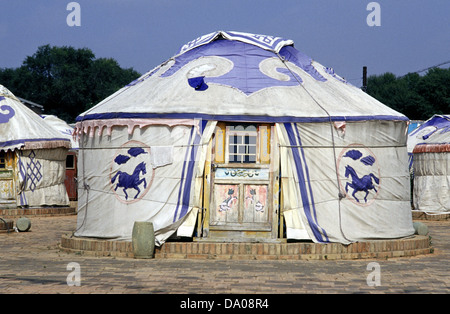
(430, 145)
(241, 137)
(32, 157)
(71, 181)
(63, 127)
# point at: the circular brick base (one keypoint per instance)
(418, 215)
(255, 251)
(39, 211)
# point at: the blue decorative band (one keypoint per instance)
(249, 118)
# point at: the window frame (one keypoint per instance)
(242, 134)
(70, 159)
(262, 134)
(3, 158)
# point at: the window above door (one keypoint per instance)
(242, 143)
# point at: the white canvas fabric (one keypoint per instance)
(20, 126)
(41, 177)
(292, 87)
(65, 129)
(325, 127)
(374, 201)
(432, 182)
(40, 152)
(114, 194)
(431, 164)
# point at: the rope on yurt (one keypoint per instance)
(341, 195)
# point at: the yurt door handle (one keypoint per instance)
(214, 167)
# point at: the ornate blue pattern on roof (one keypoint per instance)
(267, 42)
(246, 74)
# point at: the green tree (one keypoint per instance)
(435, 88)
(65, 80)
(418, 97)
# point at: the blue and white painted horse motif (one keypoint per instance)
(360, 184)
(127, 181)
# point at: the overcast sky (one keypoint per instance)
(413, 35)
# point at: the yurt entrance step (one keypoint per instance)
(240, 233)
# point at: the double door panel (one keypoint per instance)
(241, 199)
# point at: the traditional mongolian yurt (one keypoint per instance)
(63, 127)
(431, 155)
(32, 157)
(242, 137)
(71, 159)
(412, 140)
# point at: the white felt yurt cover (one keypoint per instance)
(342, 153)
(40, 152)
(63, 127)
(431, 155)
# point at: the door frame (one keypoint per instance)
(8, 179)
(236, 232)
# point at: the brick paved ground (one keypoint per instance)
(31, 262)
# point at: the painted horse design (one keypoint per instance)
(360, 184)
(127, 181)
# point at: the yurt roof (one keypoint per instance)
(63, 127)
(432, 136)
(20, 127)
(243, 77)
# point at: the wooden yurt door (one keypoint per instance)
(7, 180)
(241, 196)
(71, 176)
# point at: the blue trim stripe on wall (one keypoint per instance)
(182, 177)
(22, 170)
(306, 192)
(184, 193)
(189, 176)
(313, 203)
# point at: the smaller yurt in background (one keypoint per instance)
(412, 140)
(32, 157)
(71, 160)
(431, 155)
(63, 127)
